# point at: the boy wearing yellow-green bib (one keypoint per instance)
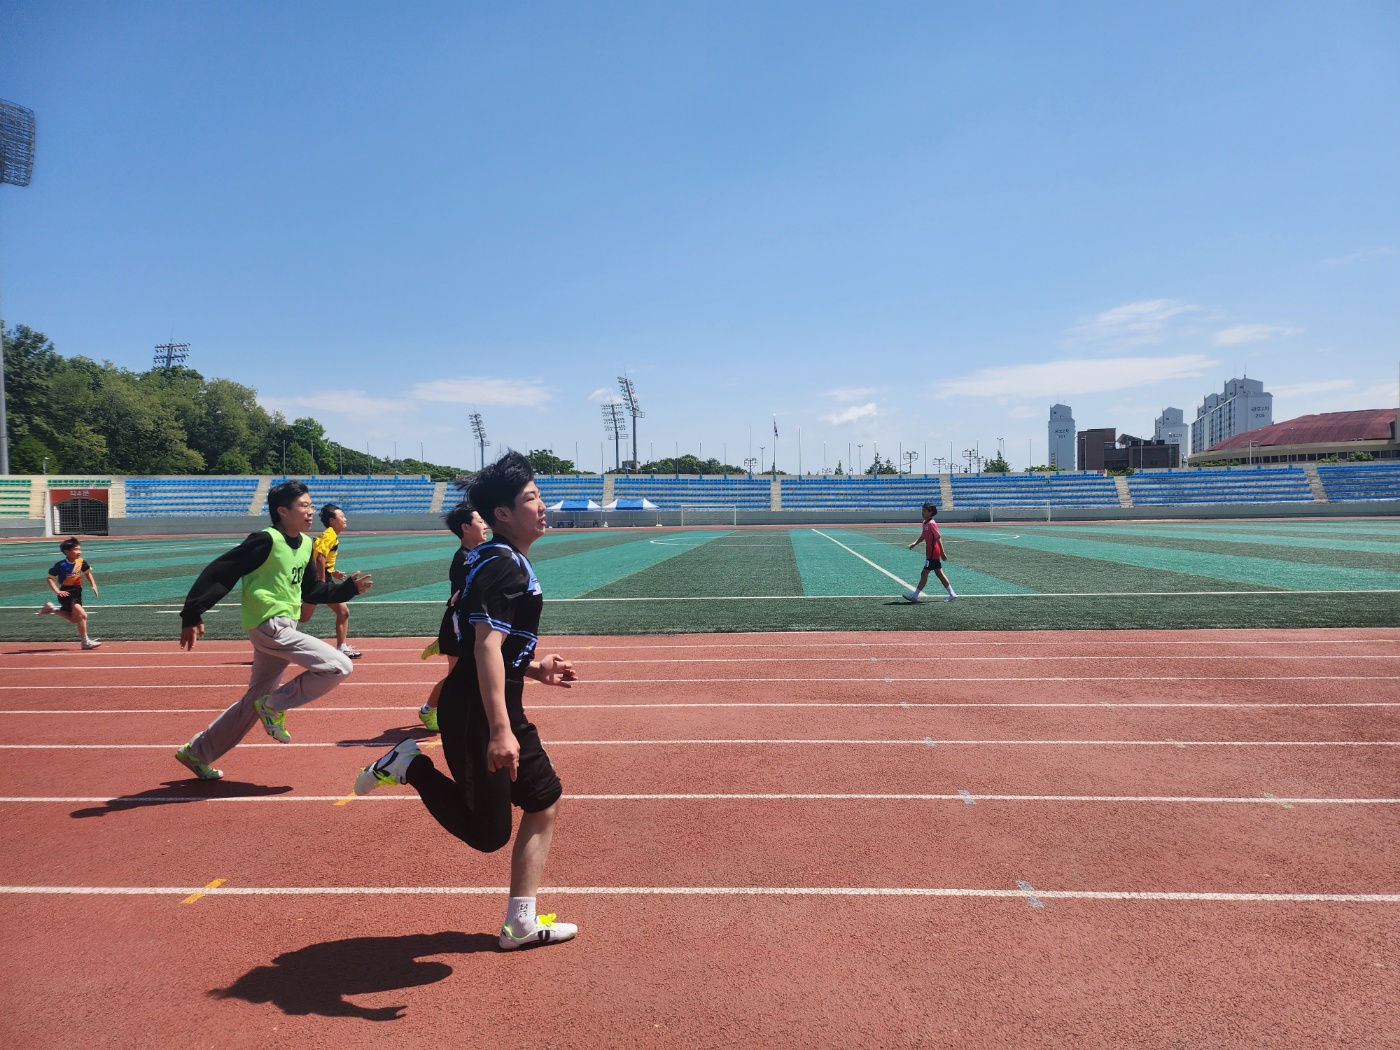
(274, 568)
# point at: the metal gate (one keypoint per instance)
(81, 515)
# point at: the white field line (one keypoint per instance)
(707, 891)
(1089, 705)
(1269, 800)
(427, 683)
(808, 660)
(862, 557)
(774, 742)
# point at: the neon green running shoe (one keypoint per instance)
(275, 722)
(186, 758)
(428, 716)
(545, 931)
(429, 651)
(392, 768)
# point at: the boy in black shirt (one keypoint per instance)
(469, 528)
(492, 750)
(66, 582)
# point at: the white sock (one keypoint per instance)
(425, 709)
(952, 592)
(520, 914)
(917, 593)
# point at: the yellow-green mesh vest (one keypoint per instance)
(274, 587)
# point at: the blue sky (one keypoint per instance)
(887, 224)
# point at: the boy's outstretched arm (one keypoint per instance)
(325, 592)
(502, 750)
(217, 579)
(553, 669)
(92, 580)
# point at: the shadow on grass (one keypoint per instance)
(173, 792)
(316, 979)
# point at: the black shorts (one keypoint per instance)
(465, 735)
(73, 597)
(932, 565)
(447, 637)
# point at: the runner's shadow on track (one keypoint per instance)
(177, 791)
(38, 652)
(318, 978)
(389, 737)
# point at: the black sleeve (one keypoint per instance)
(323, 592)
(220, 575)
(493, 594)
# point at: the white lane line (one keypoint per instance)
(962, 796)
(1088, 705)
(66, 687)
(708, 891)
(878, 568)
(588, 662)
(734, 742)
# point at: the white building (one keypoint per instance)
(1245, 405)
(1061, 431)
(1171, 428)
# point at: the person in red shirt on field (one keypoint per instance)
(933, 557)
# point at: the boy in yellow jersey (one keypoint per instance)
(273, 567)
(66, 582)
(323, 555)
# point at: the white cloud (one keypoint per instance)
(1251, 333)
(851, 393)
(355, 404)
(604, 395)
(1075, 376)
(1357, 256)
(483, 390)
(1315, 386)
(1133, 323)
(854, 414)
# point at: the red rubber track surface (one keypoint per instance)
(939, 814)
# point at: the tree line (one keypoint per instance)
(74, 415)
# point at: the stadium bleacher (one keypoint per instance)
(881, 492)
(407, 494)
(556, 487)
(1195, 487)
(151, 497)
(1028, 490)
(711, 491)
(1348, 483)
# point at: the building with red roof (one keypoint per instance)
(1310, 438)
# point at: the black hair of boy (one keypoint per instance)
(459, 517)
(499, 483)
(68, 544)
(328, 512)
(284, 495)
(932, 508)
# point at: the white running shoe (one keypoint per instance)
(390, 769)
(351, 651)
(47, 609)
(951, 597)
(910, 596)
(90, 643)
(544, 931)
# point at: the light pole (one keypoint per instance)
(761, 450)
(16, 166)
(860, 461)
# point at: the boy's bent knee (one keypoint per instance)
(340, 664)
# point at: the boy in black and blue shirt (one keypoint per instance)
(66, 582)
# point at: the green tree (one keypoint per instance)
(233, 462)
(28, 455)
(997, 466)
(299, 461)
(544, 461)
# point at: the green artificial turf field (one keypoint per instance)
(1276, 573)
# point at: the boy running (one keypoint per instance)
(493, 752)
(468, 527)
(933, 556)
(66, 582)
(272, 566)
(323, 555)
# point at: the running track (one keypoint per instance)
(1090, 840)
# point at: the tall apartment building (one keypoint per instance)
(1062, 437)
(1245, 405)
(1172, 429)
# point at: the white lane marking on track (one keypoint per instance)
(862, 557)
(961, 796)
(711, 742)
(708, 891)
(66, 687)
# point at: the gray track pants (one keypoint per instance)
(276, 643)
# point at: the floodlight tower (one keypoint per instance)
(634, 409)
(479, 432)
(615, 424)
(16, 166)
(168, 355)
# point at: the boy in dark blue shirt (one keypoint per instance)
(66, 582)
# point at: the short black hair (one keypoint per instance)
(328, 512)
(68, 544)
(932, 508)
(459, 517)
(284, 495)
(498, 484)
